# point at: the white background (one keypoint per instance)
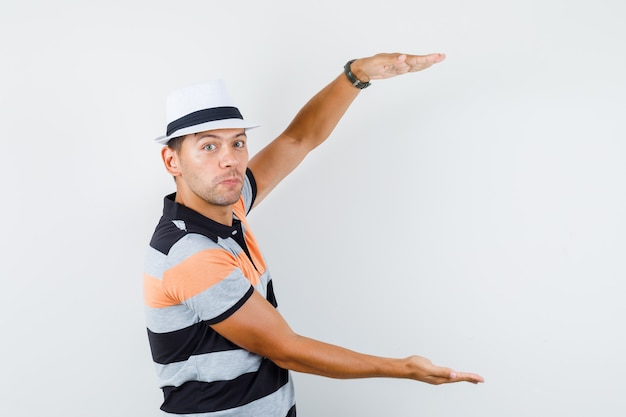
(472, 213)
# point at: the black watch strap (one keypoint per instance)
(352, 78)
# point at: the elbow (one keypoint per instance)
(287, 354)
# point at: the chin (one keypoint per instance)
(226, 200)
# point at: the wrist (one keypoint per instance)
(357, 77)
(358, 71)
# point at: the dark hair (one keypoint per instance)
(176, 143)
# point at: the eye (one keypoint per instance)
(209, 147)
(239, 144)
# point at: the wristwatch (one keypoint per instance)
(352, 78)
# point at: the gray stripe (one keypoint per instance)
(169, 319)
(246, 193)
(188, 246)
(155, 263)
(209, 367)
(220, 297)
(231, 245)
(206, 305)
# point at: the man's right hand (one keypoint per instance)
(422, 369)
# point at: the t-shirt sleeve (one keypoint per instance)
(205, 278)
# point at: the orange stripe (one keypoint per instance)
(255, 253)
(197, 273)
(239, 209)
(153, 295)
(248, 269)
(194, 275)
(253, 246)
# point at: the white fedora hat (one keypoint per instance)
(201, 107)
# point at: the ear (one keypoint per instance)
(170, 160)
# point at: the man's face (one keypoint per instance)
(212, 165)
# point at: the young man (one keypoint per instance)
(219, 345)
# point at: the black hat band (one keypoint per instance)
(203, 116)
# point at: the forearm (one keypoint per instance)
(258, 327)
(314, 357)
(317, 119)
(320, 115)
(312, 125)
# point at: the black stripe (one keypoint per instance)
(250, 176)
(203, 116)
(166, 235)
(206, 397)
(271, 297)
(196, 339)
(179, 345)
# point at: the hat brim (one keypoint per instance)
(202, 127)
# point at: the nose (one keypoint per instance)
(228, 157)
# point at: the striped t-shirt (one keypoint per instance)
(198, 272)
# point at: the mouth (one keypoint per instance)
(230, 181)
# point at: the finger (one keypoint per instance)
(437, 57)
(400, 66)
(465, 376)
(440, 375)
(433, 58)
(386, 65)
(419, 62)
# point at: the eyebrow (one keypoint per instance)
(209, 135)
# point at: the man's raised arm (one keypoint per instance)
(319, 116)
